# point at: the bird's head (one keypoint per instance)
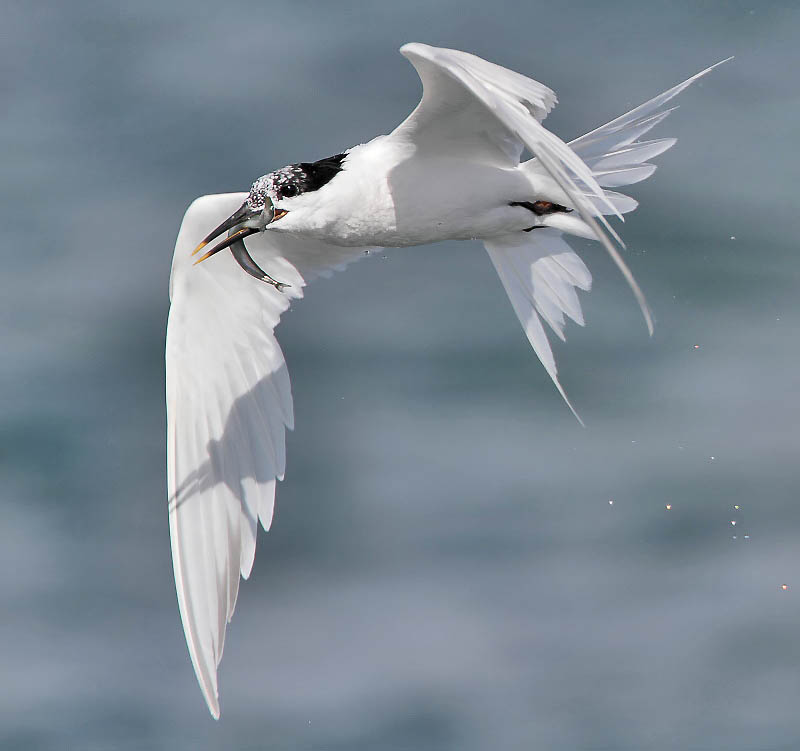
(270, 199)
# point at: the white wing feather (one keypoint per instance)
(491, 105)
(228, 393)
(451, 117)
(228, 404)
(539, 271)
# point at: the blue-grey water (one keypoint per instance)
(446, 569)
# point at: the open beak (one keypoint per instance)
(233, 237)
(239, 225)
(242, 216)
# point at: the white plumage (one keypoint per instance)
(451, 170)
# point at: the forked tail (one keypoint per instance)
(539, 271)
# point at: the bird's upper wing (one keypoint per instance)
(456, 109)
(482, 111)
(228, 400)
(538, 269)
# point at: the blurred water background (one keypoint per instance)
(446, 568)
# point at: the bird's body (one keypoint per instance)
(391, 195)
(451, 171)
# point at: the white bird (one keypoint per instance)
(450, 170)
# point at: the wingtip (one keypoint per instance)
(648, 319)
(571, 408)
(641, 299)
(212, 702)
(413, 48)
(703, 72)
(721, 62)
(564, 396)
(211, 695)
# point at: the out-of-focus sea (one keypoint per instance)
(446, 569)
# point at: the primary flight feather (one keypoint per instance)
(451, 170)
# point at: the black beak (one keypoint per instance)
(227, 242)
(235, 239)
(241, 215)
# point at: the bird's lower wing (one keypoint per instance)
(541, 274)
(228, 404)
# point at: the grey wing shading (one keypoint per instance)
(229, 403)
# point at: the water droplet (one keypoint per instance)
(784, 587)
(747, 537)
(736, 506)
(611, 503)
(668, 507)
(733, 522)
(733, 237)
(696, 346)
(713, 458)
(733, 538)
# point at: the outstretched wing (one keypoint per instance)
(491, 113)
(538, 269)
(228, 404)
(453, 115)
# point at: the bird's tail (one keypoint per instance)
(616, 156)
(539, 271)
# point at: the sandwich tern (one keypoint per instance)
(451, 170)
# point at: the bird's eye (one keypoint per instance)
(288, 191)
